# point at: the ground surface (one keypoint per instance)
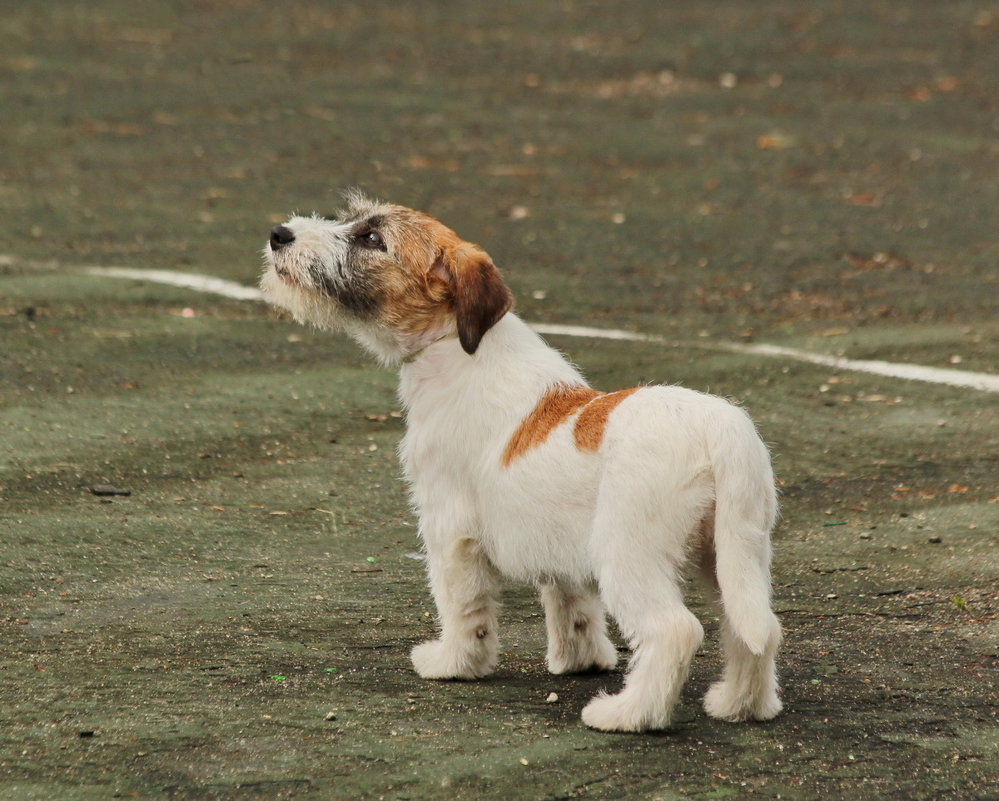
(819, 175)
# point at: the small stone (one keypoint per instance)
(552, 698)
(106, 490)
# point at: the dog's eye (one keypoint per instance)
(370, 239)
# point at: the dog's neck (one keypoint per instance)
(412, 357)
(512, 367)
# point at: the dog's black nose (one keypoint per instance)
(281, 236)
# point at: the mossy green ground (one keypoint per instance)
(821, 175)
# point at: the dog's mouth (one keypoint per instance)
(282, 271)
(285, 275)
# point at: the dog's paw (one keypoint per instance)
(621, 713)
(586, 657)
(724, 702)
(436, 659)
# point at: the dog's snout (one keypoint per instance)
(281, 235)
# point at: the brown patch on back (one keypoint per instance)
(589, 429)
(554, 407)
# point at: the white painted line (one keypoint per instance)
(199, 283)
(911, 372)
(595, 333)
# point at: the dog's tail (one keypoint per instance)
(745, 512)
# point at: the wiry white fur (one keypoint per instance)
(678, 474)
(622, 519)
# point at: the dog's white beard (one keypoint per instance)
(305, 305)
(309, 307)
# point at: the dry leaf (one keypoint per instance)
(863, 199)
(776, 140)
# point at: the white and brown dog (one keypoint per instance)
(517, 467)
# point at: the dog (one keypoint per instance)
(518, 468)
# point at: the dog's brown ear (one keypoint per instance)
(479, 295)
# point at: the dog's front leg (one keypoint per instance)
(465, 587)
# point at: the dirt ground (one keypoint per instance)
(813, 174)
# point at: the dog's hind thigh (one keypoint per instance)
(577, 629)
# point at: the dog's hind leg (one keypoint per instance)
(664, 638)
(748, 687)
(577, 629)
(639, 545)
(465, 587)
(750, 633)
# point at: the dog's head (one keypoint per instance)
(395, 279)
